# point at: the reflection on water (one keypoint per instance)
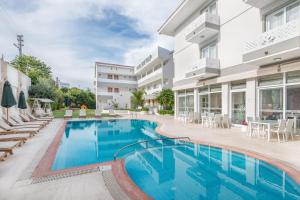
(89, 142)
(202, 172)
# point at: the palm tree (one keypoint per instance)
(166, 99)
(137, 99)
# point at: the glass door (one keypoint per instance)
(203, 103)
(293, 104)
(271, 104)
(238, 100)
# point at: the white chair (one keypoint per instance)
(211, 118)
(68, 114)
(82, 113)
(225, 121)
(280, 129)
(217, 121)
(289, 129)
(204, 119)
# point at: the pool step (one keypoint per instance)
(113, 187)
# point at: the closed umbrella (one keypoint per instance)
(8, 99)
(22, 102)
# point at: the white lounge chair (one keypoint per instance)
(82, 113)
(68, 114)
(12, 123)
(15, 137)
(225, 121)
(9, 146)
(3, 155)
(97, 113)
(19, 121)
(7, 129)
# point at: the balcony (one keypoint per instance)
(204, 68)
(204, 27)
(149, 78)
(106, 95)
(282, 43)
(259, 3)
(117, 82)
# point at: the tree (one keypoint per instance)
(166, 99)
(137, 99)
(32, 67)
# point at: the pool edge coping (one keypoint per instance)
(118, 167)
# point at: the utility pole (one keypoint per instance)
(20, 43)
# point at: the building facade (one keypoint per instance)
(155, 73)
(114, 85)
(240, 58)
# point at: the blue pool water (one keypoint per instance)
(168, 171)
(90, 142)
(193, 172)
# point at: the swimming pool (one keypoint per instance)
(89, 142)
(201, 172)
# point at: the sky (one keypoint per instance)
(70, 35)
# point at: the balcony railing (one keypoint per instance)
(277, 42)
(117, 81)
(106, 94)
(154, 76)
(204, 68)
(204, 27)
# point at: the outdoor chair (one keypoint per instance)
(225, 121)
(18, 120)
(280, 129)
(9, 146)
(15, 137)
(82, 113)
(68, 114)
(204, 119)
(12, 123)
(289, 129)
(217, 121)
(3, 155)
(97, 113)
(7, 129)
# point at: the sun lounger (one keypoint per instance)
(15, 124)
(7, 129)
(97, 113)
(68, 114)
(15, 137)
(31, 117)
(9, 146)
(22, 123)
(82, 113)
(3, 155)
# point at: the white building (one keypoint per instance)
(239, 57)
(155, 73)
(114, 85)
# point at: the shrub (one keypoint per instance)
(166, 112)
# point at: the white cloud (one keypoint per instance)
(49, 25)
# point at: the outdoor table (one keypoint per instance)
(267, 123)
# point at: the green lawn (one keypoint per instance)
(90, 113)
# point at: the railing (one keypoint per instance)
(274, 36)
(146, 142)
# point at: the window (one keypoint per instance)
(109, 89)
(210, 51)
(238, 107)
(186, 101)
(282, 16)
(216, 103)
(271, 104)
(109, 76)
(116, 77)
(293, 77)
(116, 90)
(275, 79)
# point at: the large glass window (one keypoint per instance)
(204, 103)
(271, 104)
(283, 15)
(293, 77)
(216, 103)
(210, 51)
(186, 101)
(293, 103)
(238, 107)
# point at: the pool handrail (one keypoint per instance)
(146, 141)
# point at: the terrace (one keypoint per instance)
(17, 181)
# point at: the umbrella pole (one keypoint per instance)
(7, 114)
